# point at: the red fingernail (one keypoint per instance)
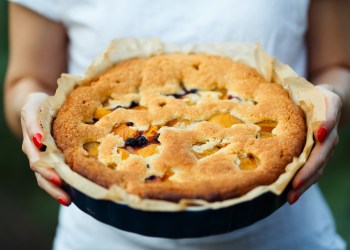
(37, 140)
(298, 185)
(294, 198)
(63, 201)
(55, 181)
(322, 133)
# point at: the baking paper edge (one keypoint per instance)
(301, 91)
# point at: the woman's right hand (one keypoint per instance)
(47, 177)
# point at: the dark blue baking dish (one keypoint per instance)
(179, 224)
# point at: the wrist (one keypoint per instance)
(337, 80)
(15, 98)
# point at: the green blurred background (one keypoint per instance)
(28, 216)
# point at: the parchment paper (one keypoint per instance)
(301, 91)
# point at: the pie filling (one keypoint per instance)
(145, 143)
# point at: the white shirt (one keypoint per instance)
(278, 25)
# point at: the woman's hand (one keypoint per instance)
(47, 178)
(326, 140)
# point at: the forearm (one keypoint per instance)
(338, 78)
(37, 52)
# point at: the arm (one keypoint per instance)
(37, 58)
(329, 48)
(329, 67)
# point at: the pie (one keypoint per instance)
(180, 126)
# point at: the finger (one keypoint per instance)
(28, 148)
(333, 108)
(29, 121)
(312, 180)
(56, 192)
(294, 195)
(318, 157)
(50, 175)
(33, 156)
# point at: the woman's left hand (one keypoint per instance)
(326, 139)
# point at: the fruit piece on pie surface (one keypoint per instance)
(177, 122)
(123, 153)
(167, 175)
(266, 135)
(151, 133)
(223, 93)
(101, 112)
(152, 178)
(225, 119)
(139, 108)
(125, 131)
(112, 165)
(140, 141)
(247, 162)
(267, 126)
(91, 148)
(206, 152)
(149, 150)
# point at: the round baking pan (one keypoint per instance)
(179, 224)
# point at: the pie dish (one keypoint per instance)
(167, 128)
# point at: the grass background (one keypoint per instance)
(28, 216)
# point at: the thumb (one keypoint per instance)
(333, 108)
(30, 125)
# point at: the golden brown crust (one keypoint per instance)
(215, 157)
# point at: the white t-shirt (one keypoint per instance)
(278, 25)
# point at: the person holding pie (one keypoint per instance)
(310, 36)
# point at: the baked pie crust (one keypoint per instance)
(163, 127)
